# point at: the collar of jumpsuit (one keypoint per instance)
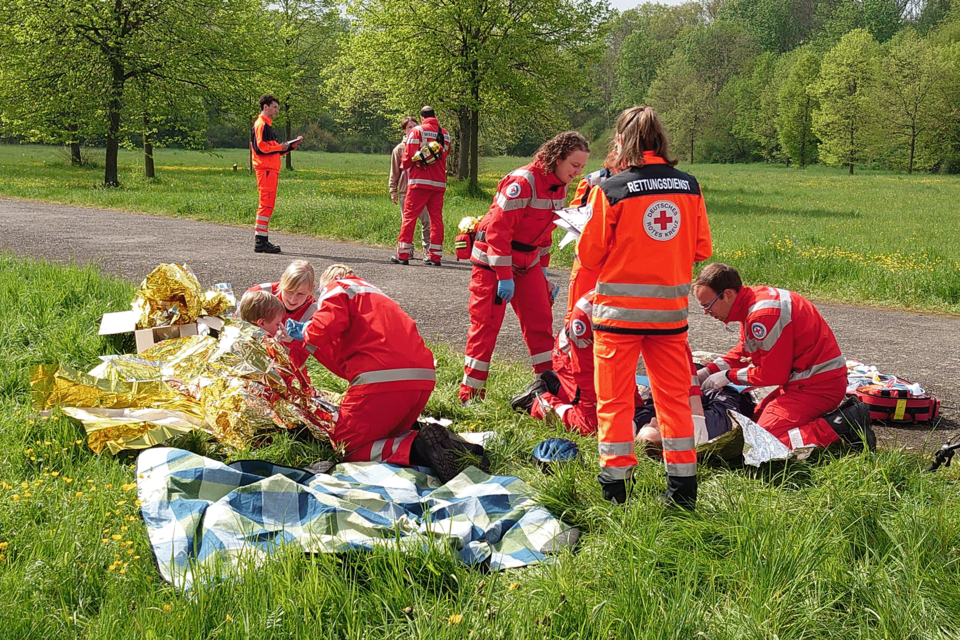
(649, 157)
(549, 180)
(738, 312)
(269, 121)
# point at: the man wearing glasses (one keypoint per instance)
(784, 342)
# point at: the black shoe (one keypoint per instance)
(447, 453)
(615, 491)
(681, 492)
(263, 245)
(431, 263)
(851, 421)
(552, 381)
(396, 260)
(524, 402)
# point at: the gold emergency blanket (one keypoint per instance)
(235, 387)
(171, 295)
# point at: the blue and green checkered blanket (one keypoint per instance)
(203, 515)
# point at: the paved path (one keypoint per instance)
(924, 348)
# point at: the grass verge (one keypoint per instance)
(856, 547)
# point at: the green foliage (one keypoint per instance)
(797, 101)
(685, 103)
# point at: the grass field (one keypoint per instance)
(855, 547)
(873, 238)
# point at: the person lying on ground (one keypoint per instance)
(267, 312)
(716, 403)
(568, 392)
(784, 342)
(363, 336)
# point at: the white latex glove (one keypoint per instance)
(703, 374)
(716, 380)
(700, 434)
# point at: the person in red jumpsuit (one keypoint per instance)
(426, 184)
(784, 342)
(511, 254)
(363, 336)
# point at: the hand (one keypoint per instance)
(295, 142)
(505, 290)
(295, 329)
(702, 374)
(554, 290)
(716, 380)
(394, 197)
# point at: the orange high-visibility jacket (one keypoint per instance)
(263, 143)
(649, 227)
(784, 339)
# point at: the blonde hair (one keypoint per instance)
(639, 129)
(259, 305)
(298, 274)
(335, 272)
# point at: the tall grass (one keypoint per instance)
(855, 547)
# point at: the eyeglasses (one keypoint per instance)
(707, 308)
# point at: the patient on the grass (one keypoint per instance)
(716, 403)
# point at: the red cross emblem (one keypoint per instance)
(663, 220)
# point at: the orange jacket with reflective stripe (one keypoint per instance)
(263, 143)
(784, 339)
(371, 341)
(649, 227)
(433, 177)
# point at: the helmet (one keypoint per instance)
(554, 450)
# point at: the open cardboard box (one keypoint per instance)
(126, 322)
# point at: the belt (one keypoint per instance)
(516, 246)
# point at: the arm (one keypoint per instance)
(704, 242)
(330, 321)
(597, 235)
(769, 367)
(411, 147)
(265, 140)
(395, 171)
(513, 196)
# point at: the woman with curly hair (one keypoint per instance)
(511, 254)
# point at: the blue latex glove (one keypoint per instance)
(505, 290)
(554, 291)
(294, 329)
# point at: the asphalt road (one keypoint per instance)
(919, 347)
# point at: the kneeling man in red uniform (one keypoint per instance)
(784, 342)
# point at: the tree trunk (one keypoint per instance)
(474, 186)
(288, 131)
(463, 150)
(803, 135)
(75, 158)
(913, 144)
(148, 169)
(851, 150)
(691, 148)
(114, 105)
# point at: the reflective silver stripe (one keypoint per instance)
(310, 348)
(835, 363)
(643, 290)
(376, 451)
(695, 381)
(583, 344)
(540, 358)
(473, 383)
(772, 304)
(585, 305)
(742, 375)
(563, 342)
(477, 365)
(266, 286)
(603, 312)
(355, 289)
(610, 474)
(785, 304)
(535, 202)
(424, 182)
(544, 251)
(436, 246)
(308, 312)
(679, 444)
(262, 219)
(722, 364)
(616, 448)
(404, 245)
(393, 375)
(681, 469)
(480, 255)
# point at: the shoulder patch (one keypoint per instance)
(758, 331)
(579, 328)
(513, 190)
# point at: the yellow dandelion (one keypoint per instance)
(33, 458)
(229, 619)
(455, 618)
(124, 528)
(123, 570)
(26, 494)
(121, 502)
(4, 545)
(137, 503)
(513, 586)
(15, 498)
(135, 557)
(47, 443)
(129, 552)
(24, 484)
(89, 481)
(28, 451)
(167, 608)
(129, 486)
(104, 540)
(78, 494)
(67, 480)
(109, 486)
(117, 536)
(55, 474)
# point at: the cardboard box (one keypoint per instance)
(126, 322)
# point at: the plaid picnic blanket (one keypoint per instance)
(203, 515)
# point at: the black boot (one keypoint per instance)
(263, 245)
(681, 492)
(398, 260)
(445, 452)
(524, 402)
(851, 421)
(614, 491)
(550, 379)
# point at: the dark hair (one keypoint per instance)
(640, 130)
(407, 120)
(267, 99)
(427, 112)
(719, 277)
(559, 147)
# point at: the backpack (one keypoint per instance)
(892, 400)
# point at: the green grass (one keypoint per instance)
(874, 238)
(856, 547)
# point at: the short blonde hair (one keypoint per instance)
(335, 272)
(259, 305)
(298, 274)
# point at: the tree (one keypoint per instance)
(845, 88)
(513, 61)
(797, 102)
(684, 101)
(911, 94)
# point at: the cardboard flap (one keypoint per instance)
(119, 322)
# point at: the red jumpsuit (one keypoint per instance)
(649, 227)
(513, 241)
(299, 352)
(581, 278)
(425, 189)
(266, 164)
(365, 337)
(576, 404)
(785, 341)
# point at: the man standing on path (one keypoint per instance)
(266, 163)
(398, 183)
(425, 158)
